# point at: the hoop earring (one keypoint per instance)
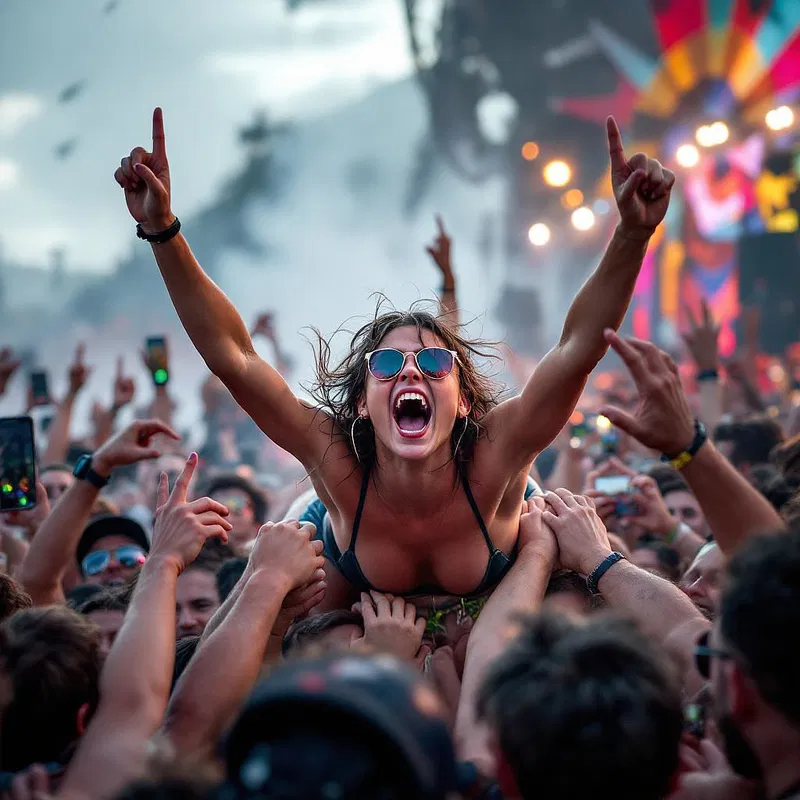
(458, 443)
(353, 437)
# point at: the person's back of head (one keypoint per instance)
(49, 673)
(13, 597)
(228, 576)
(760, 618)
(749, 442)
(769, 481)
(786, 458)
(584, 710)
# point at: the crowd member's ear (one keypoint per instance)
(464, 407)
(742, 694)
(82, 719)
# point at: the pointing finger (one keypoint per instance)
(159, 141)
(615, 151)
(163, 490)
(440, 225)
(184, 479)
(120, 367)
(80, 352)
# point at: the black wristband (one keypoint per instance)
(161, 236)
(707, 375)
(680, 460)
(593, 578)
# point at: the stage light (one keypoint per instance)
(712, 135)
(539, 234)
(721, 132)
(779, 119)
(557, 173)
(583, 218)
(601, 207)
(687, 156)
(572, 198)
(530, 151)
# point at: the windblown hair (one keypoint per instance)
(339, 389)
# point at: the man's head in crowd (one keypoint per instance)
(56, 479)
(228, 576)
(786, 458)
(679, 499)
(111, 551)
(246, 504)
(49, 673)
(755, 660)
(106, 610)
(769, 481)
(579, 709)
(748, 443)
(13, 597)
(197, 596)
(567, 594)
(702, 582)
(331, 631)
(658, 558)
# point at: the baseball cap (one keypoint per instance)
(111, 525)
(343, 726)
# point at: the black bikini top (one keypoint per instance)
(347, 562)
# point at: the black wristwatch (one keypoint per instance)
(83, 472)
(685, 458)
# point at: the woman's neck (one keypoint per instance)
(415, 487)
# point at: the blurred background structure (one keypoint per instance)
(311, 142)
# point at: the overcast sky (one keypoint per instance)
(209, 63)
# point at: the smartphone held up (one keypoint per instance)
(17, 464)
(157, 359)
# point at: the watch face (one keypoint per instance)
(82, 466)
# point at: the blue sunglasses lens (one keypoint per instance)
(95, 562)
(385, 364)
(435, 362)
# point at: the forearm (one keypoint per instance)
(210, 319)
(603, 301)
(133, 690)
(53, 548)
(448, 305)
(132, 685)
(520, 592)
(214, 686)
(104, 427)
(659, 608)
(162, 406)
(710, 396)
(735, 510)
(58, 433)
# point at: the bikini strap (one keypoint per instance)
(476, 511)
(359, 511)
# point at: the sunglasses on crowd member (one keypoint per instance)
(128, 556)
(433, 362)
(236, 505)
(703, 655)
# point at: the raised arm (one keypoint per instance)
(735, 510)
(53, 548)
(137, 675)
(661, 609)
(520, 592)
(210, 319)
(441, 253)
(526, 424)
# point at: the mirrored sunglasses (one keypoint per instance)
(128, 556)
(433, 362)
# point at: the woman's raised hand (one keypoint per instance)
(144, 177)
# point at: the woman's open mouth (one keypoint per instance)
(412, 414)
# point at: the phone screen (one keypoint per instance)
(613, 484)
(40, 391)
(157, 359)
(17, 464)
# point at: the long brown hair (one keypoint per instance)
(339, 388)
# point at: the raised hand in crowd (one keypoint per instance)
(8, 366)
(285, 557)
(642, 187)
(144, 177)
(391, 625)
(79, 372)
(123, 393)
(441, 253)
(181, 528)
(137, 675)
(702, 339)
(52, 551)
(28, 521)
(663, 422)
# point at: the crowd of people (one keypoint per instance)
(406, 588)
